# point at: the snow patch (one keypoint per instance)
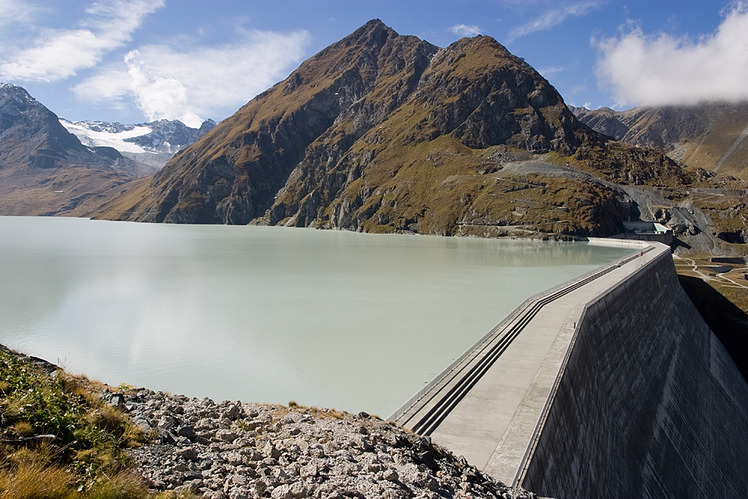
(93, 138)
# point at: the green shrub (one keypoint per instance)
(60, 439)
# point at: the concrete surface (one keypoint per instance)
(537, 416)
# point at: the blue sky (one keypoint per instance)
(138, 60)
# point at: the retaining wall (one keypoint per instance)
(649, 405)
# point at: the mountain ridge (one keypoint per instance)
(321, 148)
(44, 169)
(709, 135)
(382, 132)
(152, 144)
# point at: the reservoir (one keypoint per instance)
(357, 322)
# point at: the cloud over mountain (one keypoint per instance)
(189, 82)
(643, 69)
(100, 51)
(465, 30)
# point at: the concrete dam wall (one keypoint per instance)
(648, 402)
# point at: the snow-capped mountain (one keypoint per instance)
(151, 143)
(46, 170)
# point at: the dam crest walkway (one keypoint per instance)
(490, 404)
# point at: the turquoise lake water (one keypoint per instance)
(264, 314)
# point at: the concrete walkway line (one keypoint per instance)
(570, 328)
(479, 346)
(488, 404)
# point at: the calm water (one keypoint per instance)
(264, 314)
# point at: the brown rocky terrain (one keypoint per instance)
(236, 450)
(710, 135)
(709, 140)
(45, 170)
(386, 133)
(67, 436)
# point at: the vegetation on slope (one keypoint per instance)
(58, 438)
(386, 133)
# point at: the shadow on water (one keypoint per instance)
(729, 322)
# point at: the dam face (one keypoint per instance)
(649, 404)
(610, 385)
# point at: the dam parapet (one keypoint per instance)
(608, 385)
(649, 403)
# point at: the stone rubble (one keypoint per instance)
(233, 450)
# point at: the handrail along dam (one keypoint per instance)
(609, 385)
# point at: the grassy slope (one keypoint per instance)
(58, 439)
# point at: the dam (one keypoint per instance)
(609, 385)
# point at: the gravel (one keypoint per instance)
(237, 450)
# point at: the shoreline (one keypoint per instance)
(232, 450)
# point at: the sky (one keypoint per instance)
(133, 61)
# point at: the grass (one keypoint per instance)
(58, 439)
(721, 299)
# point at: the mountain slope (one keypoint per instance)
(386, 133)
(46, 170)
(712, 136)
(234, 172)
(431, 165)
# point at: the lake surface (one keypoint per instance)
(264, 314)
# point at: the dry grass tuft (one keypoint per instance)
(33, 474)
(85, 456)
(123, 485)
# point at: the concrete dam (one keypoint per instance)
(611, 385)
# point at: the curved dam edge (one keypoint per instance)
(612, 387)
(648, 402)
(408, 405)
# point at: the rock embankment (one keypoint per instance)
(235, 450)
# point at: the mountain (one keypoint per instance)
(46, 170)
(387, 133)
(151, 144)
(712, 136)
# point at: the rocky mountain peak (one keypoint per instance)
(486, 96)
(483, 45)
(28, 126)
(372, 33)
(386, 132)
(10, 91)
(15, 103)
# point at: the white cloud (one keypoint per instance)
(656, 70)
(59, 54)
(16, 11)
(550, 70)
(465, 30)
(553, 17)
(193, 82)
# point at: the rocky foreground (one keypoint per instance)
(235, 450)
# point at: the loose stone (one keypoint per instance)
(233, 450)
